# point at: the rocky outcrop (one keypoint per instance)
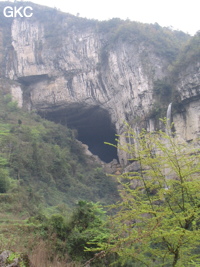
(59, 65)
(3, 257)
(74, 72)
(187, 122)
(79, 72)
(188, 84)
(11, 259)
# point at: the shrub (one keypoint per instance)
(4, 180)
(158, 220)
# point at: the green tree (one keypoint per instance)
(157, 222)
(4, 180)
(86, 225)
(4, 175)
(71, 235)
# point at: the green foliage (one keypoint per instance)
(85, 224)
(57, 223)
(162, 95)
(12, 256)
(4, 180)
(22, 259)
(156, 110)
(166, 41)
(7, 98)
(11, 106)
(52, 167)
(158, 220)
(162, 90)
(190, 54)
(4, 174)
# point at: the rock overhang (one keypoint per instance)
(92, 124)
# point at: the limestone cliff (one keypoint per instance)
(60, 62)
(187, 122)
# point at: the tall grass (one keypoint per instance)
(41, 257)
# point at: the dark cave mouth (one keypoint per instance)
(93, 126)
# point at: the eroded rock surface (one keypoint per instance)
(57, 65)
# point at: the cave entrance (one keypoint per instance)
(93, 126)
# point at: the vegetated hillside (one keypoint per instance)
(44, 170)
(43, 165)
(189, 54)
(167, 42)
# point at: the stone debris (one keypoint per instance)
(20, 258)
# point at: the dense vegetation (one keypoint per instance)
(189, 54)
(166, 42)
(53, 197)
(43, 170)
(157, 223)
(44, 159)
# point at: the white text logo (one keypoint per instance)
(20, 11)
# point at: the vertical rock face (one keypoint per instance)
(60, 66)
(76, 72)
(187, 123)
(188, 84)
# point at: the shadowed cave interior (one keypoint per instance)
(93, 126)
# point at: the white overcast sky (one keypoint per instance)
(183, 15)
